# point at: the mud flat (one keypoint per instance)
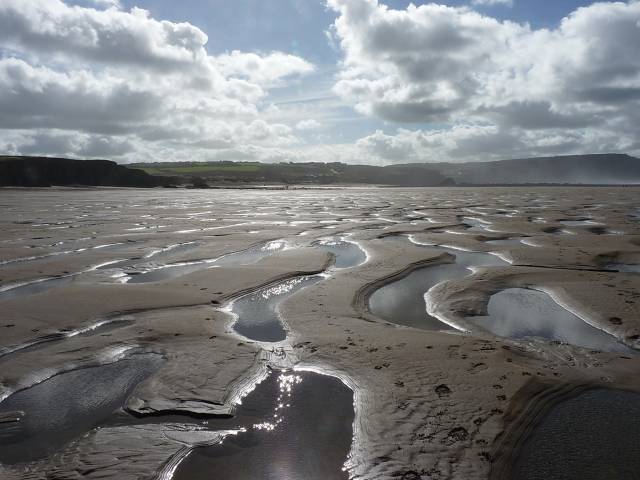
(421, 403)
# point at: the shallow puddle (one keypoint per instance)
(298, 426)
(244, 257)
(171, 250)
(251, 255)
(257, 316)
(624, 267)
(96, 328)
(508, 242)
(592, 436)
(348, 254)
(521, 313)
(577, 223)
(476, 225)
(402, 302)
(67, 405)
(34, 287)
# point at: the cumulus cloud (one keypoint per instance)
(478, 142)
(98, 80)
(264, 70)
(435, 64)
(66, 144)
(309, 124)
(508, 3)
(88, 78)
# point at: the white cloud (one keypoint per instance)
(434, 64)
(90, 79)
(309, 124)
(484, 142)
(264, 70)
(104, 81)
(508, 3)
(106, 3)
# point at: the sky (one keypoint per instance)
(354, 81)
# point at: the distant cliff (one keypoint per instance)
(46, 172)
(610, 169)
(312, 173)
(603, 169)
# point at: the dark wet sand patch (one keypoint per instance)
(67, 405)
(593, 436)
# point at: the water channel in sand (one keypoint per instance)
(402, 301)
(256, 313)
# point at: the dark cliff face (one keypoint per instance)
(45, 172)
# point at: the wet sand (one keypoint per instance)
(592, 436)
(426, 403)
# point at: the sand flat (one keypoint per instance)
(428, 404)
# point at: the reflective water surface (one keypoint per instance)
(245, 257)
(508, 242)
(520, 314)
(625, 267)
(402, 301)
(257, 316)
(577, 223)
(593, 436)
(348, 254)
(298, 426)
(38, 286)
(476, 224)
(67, 405)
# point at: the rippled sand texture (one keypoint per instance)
(135, 322)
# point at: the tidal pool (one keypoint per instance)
(476, 224)
(348, 254)
(65, 406)
(402, 301)
(508, 242)
(298, 425)
(257, 315)
(244, 257)
(95, 328)
(578, 222)
(521, 313)
(33, 287)
(625, 267)
(593, 436)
